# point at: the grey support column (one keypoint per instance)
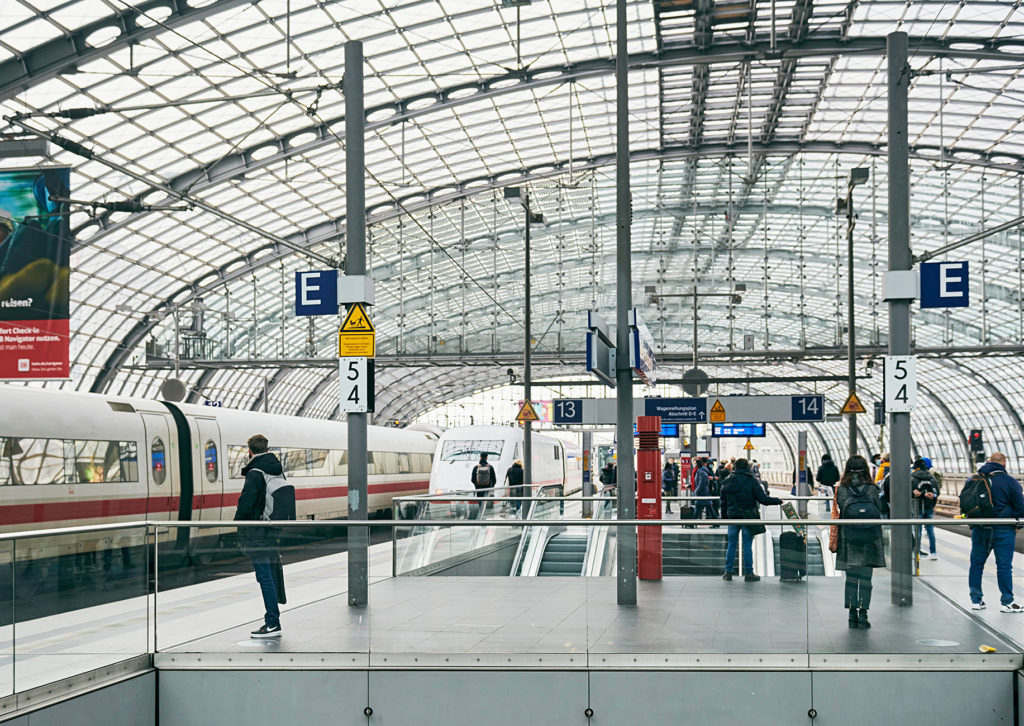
(899, 313)
(527, 355)
(626, 486)
(355, 264)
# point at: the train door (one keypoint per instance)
(209, 482)
(161, 458)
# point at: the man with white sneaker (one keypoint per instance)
(1008, 502)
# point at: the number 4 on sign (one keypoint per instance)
(355, 385)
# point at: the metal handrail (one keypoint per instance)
(319, 523)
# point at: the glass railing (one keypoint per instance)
(76, 600)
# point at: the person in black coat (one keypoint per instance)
(259, 543)
(483, 477)
(514, 479)
(740, 497)
(828, 475)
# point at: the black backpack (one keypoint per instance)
(861, 506)
(976, 498)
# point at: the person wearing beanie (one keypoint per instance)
(828, 475)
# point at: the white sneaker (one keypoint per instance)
(933, 556)
(978, 606)
(1011, 608)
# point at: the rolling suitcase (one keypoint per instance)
(792, 556)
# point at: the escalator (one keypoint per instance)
(564, 556)
(815, 558)
(693, 552)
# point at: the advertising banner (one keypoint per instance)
(35, 251)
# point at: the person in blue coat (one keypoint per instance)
(1008, 502)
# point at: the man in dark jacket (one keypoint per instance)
(1008, 502)
(828, 475)
(483, 477)
(926, 494)
(669, 484)
(260, 543)
(741, 494)
(514, 479)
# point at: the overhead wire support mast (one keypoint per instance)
(86, 153)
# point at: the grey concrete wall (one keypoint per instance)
(947, 697)
(128, 703)
(262, 698)
(708, 698)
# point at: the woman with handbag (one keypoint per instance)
(740, 497)
(858, 548)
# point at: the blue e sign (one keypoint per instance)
(316, 292)
(944, 285)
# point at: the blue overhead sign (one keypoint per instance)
(741, 430)
(668, 430)
(944, 285)
(316, 292)
(807, 408)
(568, 411)
(677, 410)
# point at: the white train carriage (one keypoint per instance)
(73, 459)
(459, 450)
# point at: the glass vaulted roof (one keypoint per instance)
(745, 121)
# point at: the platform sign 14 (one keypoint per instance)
(355, 390)
(568, 411)
(808, 408)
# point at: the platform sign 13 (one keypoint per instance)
(355, 389)
(568, 411)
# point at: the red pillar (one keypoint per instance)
(648, 492)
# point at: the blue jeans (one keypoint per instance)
(929, 528)
(1000, 540)
(748, 549)
(704, 510)
(264, 576)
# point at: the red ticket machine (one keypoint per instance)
(685, 483)
(648, 495)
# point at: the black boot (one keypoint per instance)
(854, 621)
(864, 618)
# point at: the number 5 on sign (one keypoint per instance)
(355, 390)
(900, 383)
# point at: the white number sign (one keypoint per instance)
(900, 383)
(354, 389)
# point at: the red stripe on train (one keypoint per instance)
(42, 512)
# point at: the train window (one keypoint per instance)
(238, 457)
(158, 461)
(470, 450)
(128, 453)
(556, 452)
(404, 463)
(294, 461)
(371, 462)
(319, 462)
(210, 461)
(32, 461)
(341, 462)
(387, 462)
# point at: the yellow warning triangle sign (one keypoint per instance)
(853, 404)
(527, 413)
(748, 446)
(357, 321)
(717, 412)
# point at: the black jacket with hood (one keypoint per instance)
(251, 503)
(742, 492)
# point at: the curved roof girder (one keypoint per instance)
(991, 388)
(196, 391)
(327, 232)
(230, 166)
(268, 388)
(315, 392)
(951, 417)
(66, 53)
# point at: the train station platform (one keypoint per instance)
(539, 650)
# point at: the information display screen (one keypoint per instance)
(741, 430)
